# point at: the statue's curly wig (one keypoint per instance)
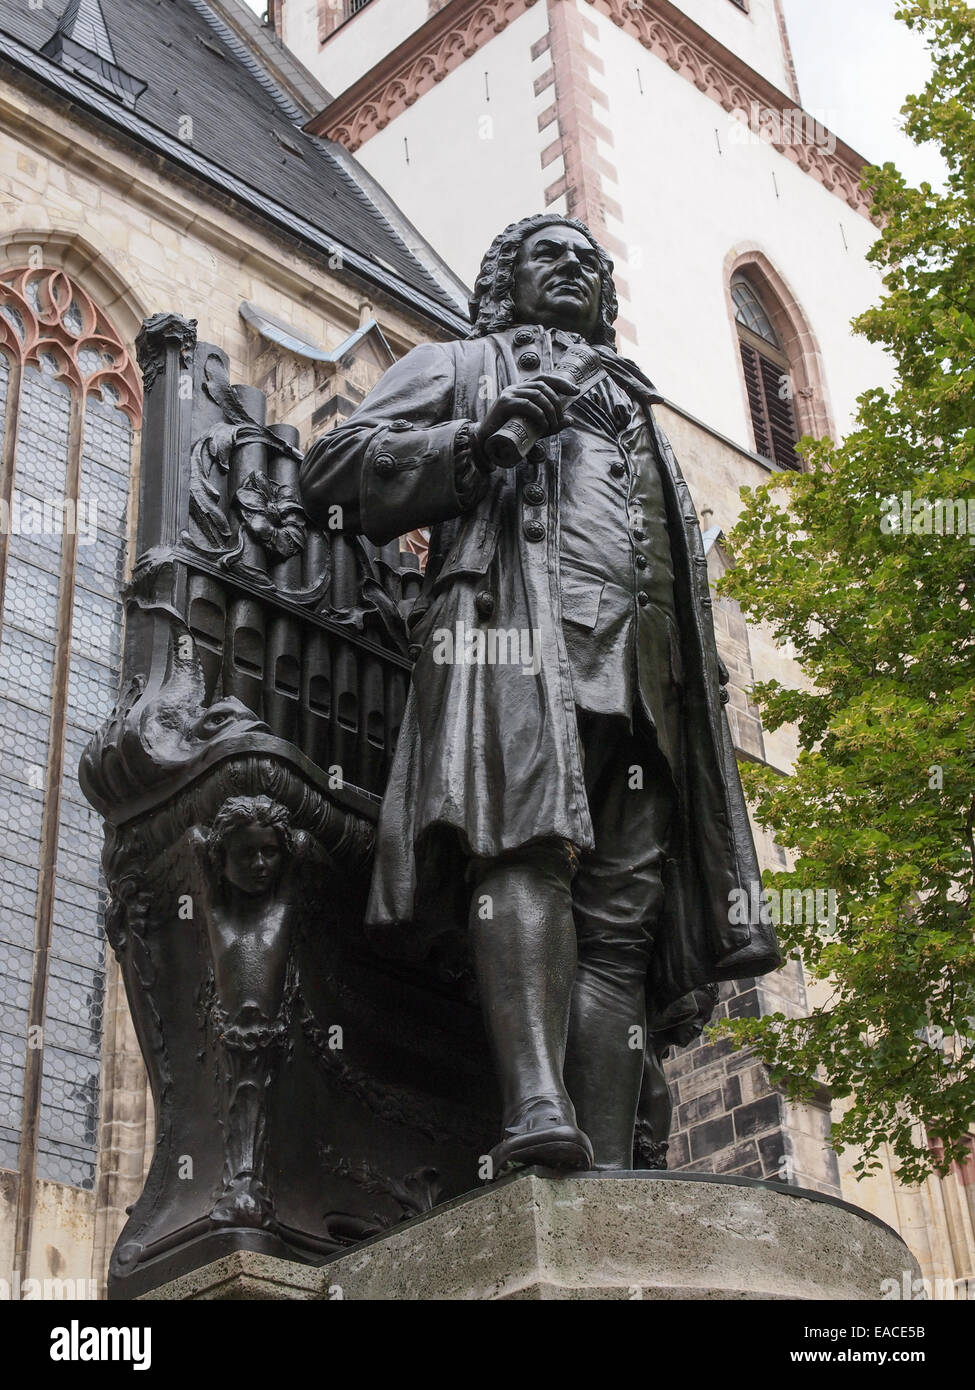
(493, 308)
(240, 812)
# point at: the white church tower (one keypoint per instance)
(674, 130)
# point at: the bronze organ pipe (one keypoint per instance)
(371, 733)
(316, 666)
(341, 704)
(244, 658)
(396, 686)
(282, 654)
(397, 680)
(206, 598)
(371, 747)
(344, 722)
(411, 579)
(390, 555)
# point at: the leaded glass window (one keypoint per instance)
(750, 311)
(69, 399)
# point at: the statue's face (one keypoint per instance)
(557, 281)
(252, 859)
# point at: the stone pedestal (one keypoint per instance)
(635, 1236)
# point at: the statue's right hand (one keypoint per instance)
(541, 402)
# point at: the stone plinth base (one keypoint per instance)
(538, 1236)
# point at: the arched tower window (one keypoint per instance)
(69, 402)
(768, 375)
(783, 374)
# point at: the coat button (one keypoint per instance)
(639, 533)
(530, 361)
(536, 454)
(400, 425)
(643, 598)
(484, 603)
(415, 651)
(384, 465)
(523, 337)
(642, 562)
(618, 469)
(534, 494)
(534, 530)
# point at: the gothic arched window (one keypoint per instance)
(768, 378)
(69, 401)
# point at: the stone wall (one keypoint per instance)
(728, 1118)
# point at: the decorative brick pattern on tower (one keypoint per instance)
(787, 50)
(590, 183)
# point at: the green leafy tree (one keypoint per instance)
(878, 607)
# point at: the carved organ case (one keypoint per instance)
(312, 1087)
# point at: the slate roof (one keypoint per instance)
(247, 135)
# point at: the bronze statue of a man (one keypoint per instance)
(564, 753)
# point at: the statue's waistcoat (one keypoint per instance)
(619, 609)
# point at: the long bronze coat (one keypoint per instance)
(488, 757)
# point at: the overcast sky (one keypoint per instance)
(855, 65)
